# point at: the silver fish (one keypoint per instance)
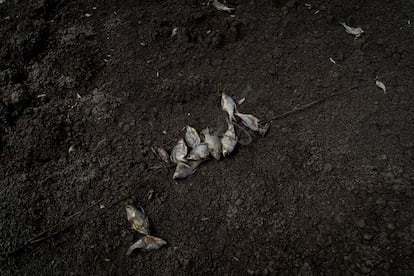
(162, 154)
(191, 137)
(357, 32)
(200, 152)
(228, 105)
(221, 6)
(147, 243)
(229, 140)
(179, 152)
(184, 170)
(249, 120)
(213, 143)
(138, 219)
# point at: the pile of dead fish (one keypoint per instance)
(194, 149)
(140, 223)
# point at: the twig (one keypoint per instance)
(309, 105)
(43, 235)
(380, 77)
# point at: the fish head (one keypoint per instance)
(205, 131)
(131, 211)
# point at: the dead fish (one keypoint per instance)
(191, 137)
(381, 85)
(162, 154)
(138, 219)
(228, 105)
(249, 120)
(147, 243)
(213, 143)
(229, 140)
(179, 152)
(357, 32)
(199, 152)
(221, 6)
(263, 128)
(184, 170)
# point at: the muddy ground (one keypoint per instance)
(327, 191)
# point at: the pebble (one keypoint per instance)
(328, 167)
(365, 269)
(218, 40)
(361, 223)
(368, 237)
(391, 226)
(383, 238)
(291, 4)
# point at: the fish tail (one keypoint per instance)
(131, 248)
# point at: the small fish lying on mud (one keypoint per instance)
(179, 152)
(221, 7)
(357, 32)
(162, 154)
(195, 148)
(140, 223)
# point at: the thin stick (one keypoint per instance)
(380, 77)
(43, 235)
(309, 105)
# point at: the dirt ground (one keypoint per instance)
(327, 191)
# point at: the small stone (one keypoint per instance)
(389, 176)
(365, 269)
(391, 226)
(361, 223)
(271, 71)
(327, 168)
(368, 237)
(218, 40)
(380, 201)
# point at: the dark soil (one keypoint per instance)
(329, 190)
